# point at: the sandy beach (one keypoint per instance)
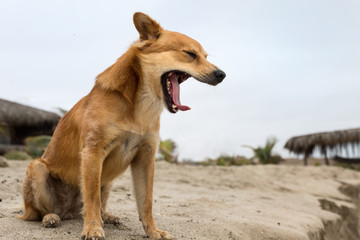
(197, 202)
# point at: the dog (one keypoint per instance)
(114, 126)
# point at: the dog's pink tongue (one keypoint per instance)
(176, 93)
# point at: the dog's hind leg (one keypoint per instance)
(107, 217)
(38, 200)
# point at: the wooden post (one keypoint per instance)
(305, 159)
(326, 159)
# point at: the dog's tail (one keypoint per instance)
(30, 214)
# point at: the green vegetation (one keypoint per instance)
(17, 155)
(226, 160)
(167, 151)
(355, 167)
(36, 146)
(264, 154)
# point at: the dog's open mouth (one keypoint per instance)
(170, 82)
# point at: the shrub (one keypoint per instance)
(348, 166)
(242, 161)
(36, 146)
(167, 151)
(226, 160)
(223, 160)
(17, 155)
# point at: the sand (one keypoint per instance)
(197, 202)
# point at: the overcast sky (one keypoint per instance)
(293, 67)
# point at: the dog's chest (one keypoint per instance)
(130, 147)
(121, 155)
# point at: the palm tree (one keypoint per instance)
(264, 154)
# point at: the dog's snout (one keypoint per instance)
(219, 75)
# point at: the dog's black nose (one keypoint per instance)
(219, 75)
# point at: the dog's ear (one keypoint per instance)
(147, 27)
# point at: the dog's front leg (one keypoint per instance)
(142, 168)
(91, 168)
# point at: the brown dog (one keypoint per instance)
(114, 126)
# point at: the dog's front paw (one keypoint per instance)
(110, 219)
(95, 233)
(158, 234)
(51, 220)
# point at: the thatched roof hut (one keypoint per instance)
(19, 121)
(327, 143)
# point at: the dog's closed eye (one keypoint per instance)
(191, 54)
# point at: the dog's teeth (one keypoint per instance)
(168, 87)
(174, 107)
